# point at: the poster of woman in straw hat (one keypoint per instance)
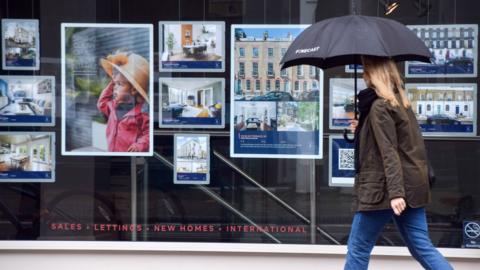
(107, 89)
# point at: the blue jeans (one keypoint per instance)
(412, 225)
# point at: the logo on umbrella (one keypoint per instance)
(308, 50)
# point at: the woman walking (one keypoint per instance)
(391, 170)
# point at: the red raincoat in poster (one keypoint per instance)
(132, 129)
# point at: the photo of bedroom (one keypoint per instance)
(26, 156)
(192, 102)
(27, 100)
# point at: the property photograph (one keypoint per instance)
(192, 159)
(342, 107)
(257, 76)
(255, 116)
(192, 46)
(454, 50)
(297, 116)
(27, 100)
(192, 102)
(20, 43)
(26, 156)
(192, 167)
(444, 109)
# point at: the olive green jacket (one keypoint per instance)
(393, 161)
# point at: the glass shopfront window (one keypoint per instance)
(246, 199)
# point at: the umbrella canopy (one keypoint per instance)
(342, 40)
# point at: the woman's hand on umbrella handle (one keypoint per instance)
(353, 125)
(398, 205)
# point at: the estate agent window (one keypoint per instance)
(191, 188)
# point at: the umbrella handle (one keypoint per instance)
(345, 136)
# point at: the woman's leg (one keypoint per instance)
(412, 224)
(366, 227)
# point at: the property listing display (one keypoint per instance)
(192, 46)
(445, 109)
(341, 162)
(453, 47)
(27, 156)
(192, 102)
(342, 101)
(351, 68)
(107, 89)
(275, 113)
(191, 159)
(27, 100)
(20, 44)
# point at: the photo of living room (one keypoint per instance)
(26, 156)
(192, 102)
(190, 42)
(27, 100)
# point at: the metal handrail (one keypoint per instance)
(220, 200)
(275, 197)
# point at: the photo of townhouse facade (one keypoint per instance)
(192, 149)
(257, 72)
(20, 44)
(453, 47)
(444, 107)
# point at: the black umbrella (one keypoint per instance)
(342, 40)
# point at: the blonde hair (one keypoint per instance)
(382, 75)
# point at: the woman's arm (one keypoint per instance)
(384, 131)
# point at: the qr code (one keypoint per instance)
(346, 159)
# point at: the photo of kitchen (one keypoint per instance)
(26, 156)
(27, 100)
(192, 102)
